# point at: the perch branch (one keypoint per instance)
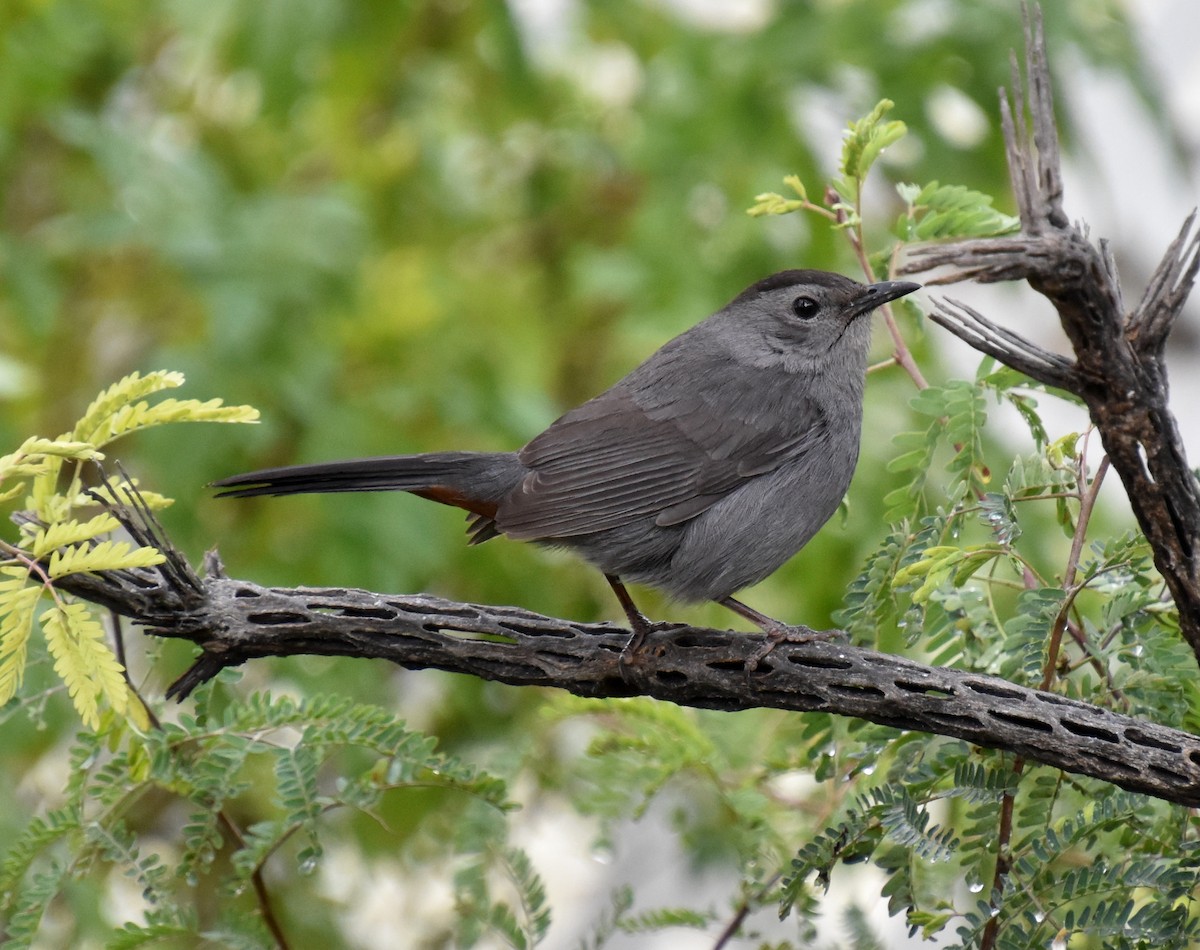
(234, 621)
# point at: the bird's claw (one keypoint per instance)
(640, 632)
(783, 633)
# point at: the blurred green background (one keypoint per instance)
(397, 227)
(400, 226)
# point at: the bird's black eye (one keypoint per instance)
(805, 307)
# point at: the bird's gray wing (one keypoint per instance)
(667, 452)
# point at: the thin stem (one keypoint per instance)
(1087, 502)
(743, 912)
(1003, 863)
(901, 354)
(900, 351)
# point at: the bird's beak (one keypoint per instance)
(875, 295)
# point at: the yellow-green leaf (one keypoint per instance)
(105, 556)
(84, 662)
(16, 624)
(866, 138)
(132, 387)
(931, 558)
(772, 203)
(59, 535)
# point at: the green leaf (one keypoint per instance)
(937, 212)
(121, 409)
(866, 138)
(772, 203)
(998, 513)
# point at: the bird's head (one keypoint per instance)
(808, 319)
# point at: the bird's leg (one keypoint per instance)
(638, 621)
(776, 630)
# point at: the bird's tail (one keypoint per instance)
(475, 481)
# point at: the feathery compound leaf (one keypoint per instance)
(870, 600)
(39, 835)
(909, 824)
(945, 211)
(121, 393)
(104, 556)
(531, 893)
(83, 661)
(866, 138)
(141, 415)
(122, 409)
(72, 532)
(16, 623)
(772, 203)
(907, 501)
(999, 514)
(42, 460)
(33, 456)
(960, 413)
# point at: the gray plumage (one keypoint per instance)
(699, 473)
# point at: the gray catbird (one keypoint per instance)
(699, 473)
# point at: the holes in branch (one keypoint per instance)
(1023, 722)
(819, 662)
(438, 610)
(478, 635)
(995, 689)
(782, 699)
(366, 613)
(925, 689)
(1142, 738)
(1050, 699)
(272, 618)
(1092, 732)
(730, 666)
(1171, 777)
(1115, 765)
(855, 689)
(960, 721)
(534, 630)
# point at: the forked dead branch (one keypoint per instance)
(1118, 368)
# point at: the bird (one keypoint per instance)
(699, 473)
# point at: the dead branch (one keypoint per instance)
(1118, 369)
(234, 621)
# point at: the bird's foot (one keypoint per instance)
(642, 628)
(776, 630)
(638, 622)
(779, 633)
